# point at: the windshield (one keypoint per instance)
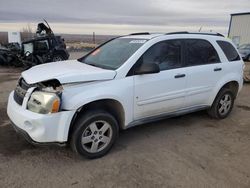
(114, 53)
(244, 46)
(28, 47)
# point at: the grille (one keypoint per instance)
(20, 91)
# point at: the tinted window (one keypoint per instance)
(166, 54)
(229, 51)
(199, 52)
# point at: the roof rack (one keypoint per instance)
(198, 33)
(142, 33)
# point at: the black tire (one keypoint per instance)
(82, 126)
(214, 111)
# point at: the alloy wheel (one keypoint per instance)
(96, 136)
(225, 104)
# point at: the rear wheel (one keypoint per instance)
(222, 105)
(94, 134)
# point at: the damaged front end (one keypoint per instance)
(42, 98)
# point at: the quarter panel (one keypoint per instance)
(231, 76)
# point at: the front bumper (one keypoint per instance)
(33, 142)
(39, 128)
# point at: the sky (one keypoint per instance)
(120, 17)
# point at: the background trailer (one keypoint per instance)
(239, 28)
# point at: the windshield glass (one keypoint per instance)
(244, 46)
(28, 47)
(114, 53)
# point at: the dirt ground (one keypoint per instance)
(187, 151)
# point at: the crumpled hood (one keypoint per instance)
(67, 72)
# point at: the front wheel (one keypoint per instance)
(94, 134)
(222, 105)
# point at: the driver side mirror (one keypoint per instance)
(147, 68)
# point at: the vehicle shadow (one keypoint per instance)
(12, 144)
(163, 128)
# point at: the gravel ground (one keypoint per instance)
(187, 151)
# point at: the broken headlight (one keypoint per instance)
(43, 102)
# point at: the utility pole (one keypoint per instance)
(94, 37)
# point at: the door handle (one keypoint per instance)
(180, 75)
(217, 69)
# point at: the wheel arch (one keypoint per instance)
(234, 85)
(110, 105)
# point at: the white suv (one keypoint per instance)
(127, 81)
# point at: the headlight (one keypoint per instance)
(44, 102)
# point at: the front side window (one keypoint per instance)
(200, 52)
(229, 51)
(114, 53)
(167, 54)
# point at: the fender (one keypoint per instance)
(226, 79)
(75, 97)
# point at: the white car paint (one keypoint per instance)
(66, 72)
(141, 96)
(165, 94)
(40, 127)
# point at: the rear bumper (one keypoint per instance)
(39, 128)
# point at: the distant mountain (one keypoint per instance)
(86, 38)
(70, 38)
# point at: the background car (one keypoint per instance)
(48, 48)
(44, 47)
(244, 51)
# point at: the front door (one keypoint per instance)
(163, 92)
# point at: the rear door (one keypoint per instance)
(163, 92)
(204, 69)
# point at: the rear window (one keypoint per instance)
(229, 51)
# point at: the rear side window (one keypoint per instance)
(200, 52)
(167, 54)
(229, 51)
